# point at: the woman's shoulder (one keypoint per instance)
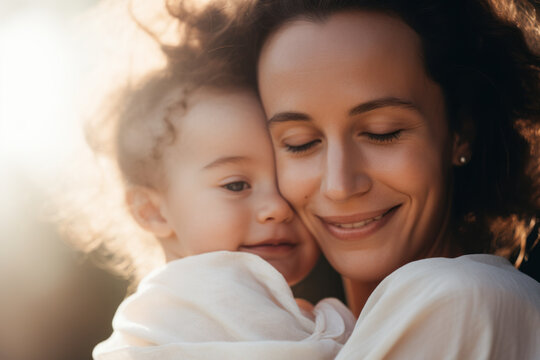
(470, 307)
(476, 274)
(471, 268)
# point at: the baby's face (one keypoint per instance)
(221, 191)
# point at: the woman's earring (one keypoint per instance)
(463, 160)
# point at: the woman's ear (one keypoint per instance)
(461, 150)
(145, 205)
(463, 140)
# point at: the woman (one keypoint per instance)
(407, 131)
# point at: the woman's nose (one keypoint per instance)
(273, 208)
(344, 174)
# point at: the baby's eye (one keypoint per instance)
(302, 147)
(384, 138)
(237, 186)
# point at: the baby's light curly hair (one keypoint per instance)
(131, 126)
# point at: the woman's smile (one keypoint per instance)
(358, 226)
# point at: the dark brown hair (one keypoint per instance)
(484, 55)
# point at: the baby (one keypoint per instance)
(200, 176)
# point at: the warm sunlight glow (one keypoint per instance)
(36, 84)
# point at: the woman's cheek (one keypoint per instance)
(400, 165)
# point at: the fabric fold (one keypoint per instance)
(231, 304)
(471, 307)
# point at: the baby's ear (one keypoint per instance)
(145, 205)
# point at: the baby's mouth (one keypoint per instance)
(270, 248)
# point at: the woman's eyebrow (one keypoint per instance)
(380, 103)
(359, 109)
(288, 116)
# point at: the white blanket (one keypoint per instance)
(223, 305)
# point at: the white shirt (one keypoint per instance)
(471, 307)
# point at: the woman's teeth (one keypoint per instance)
(359, 224)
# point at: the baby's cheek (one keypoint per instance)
(297, 180)
(302, 234)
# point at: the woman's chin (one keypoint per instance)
(364, 264)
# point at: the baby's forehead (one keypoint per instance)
(220, 121)
(164, 109)
(216, 113)
(180, 100)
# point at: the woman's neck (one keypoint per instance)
(357, 293)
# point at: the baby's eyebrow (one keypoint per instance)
(225, 160)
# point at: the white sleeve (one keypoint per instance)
(472, 307)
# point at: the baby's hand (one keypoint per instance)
(306, 307)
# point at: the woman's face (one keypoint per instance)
(362, 143)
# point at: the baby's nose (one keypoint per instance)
(274, 209)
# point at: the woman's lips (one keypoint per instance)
(270, 249)
(354, 227)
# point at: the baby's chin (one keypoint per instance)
(293, 262)
(293, 271)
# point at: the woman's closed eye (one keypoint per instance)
(302, 147)
(383, 138)
(237, 186)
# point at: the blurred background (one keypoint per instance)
(54, 303)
